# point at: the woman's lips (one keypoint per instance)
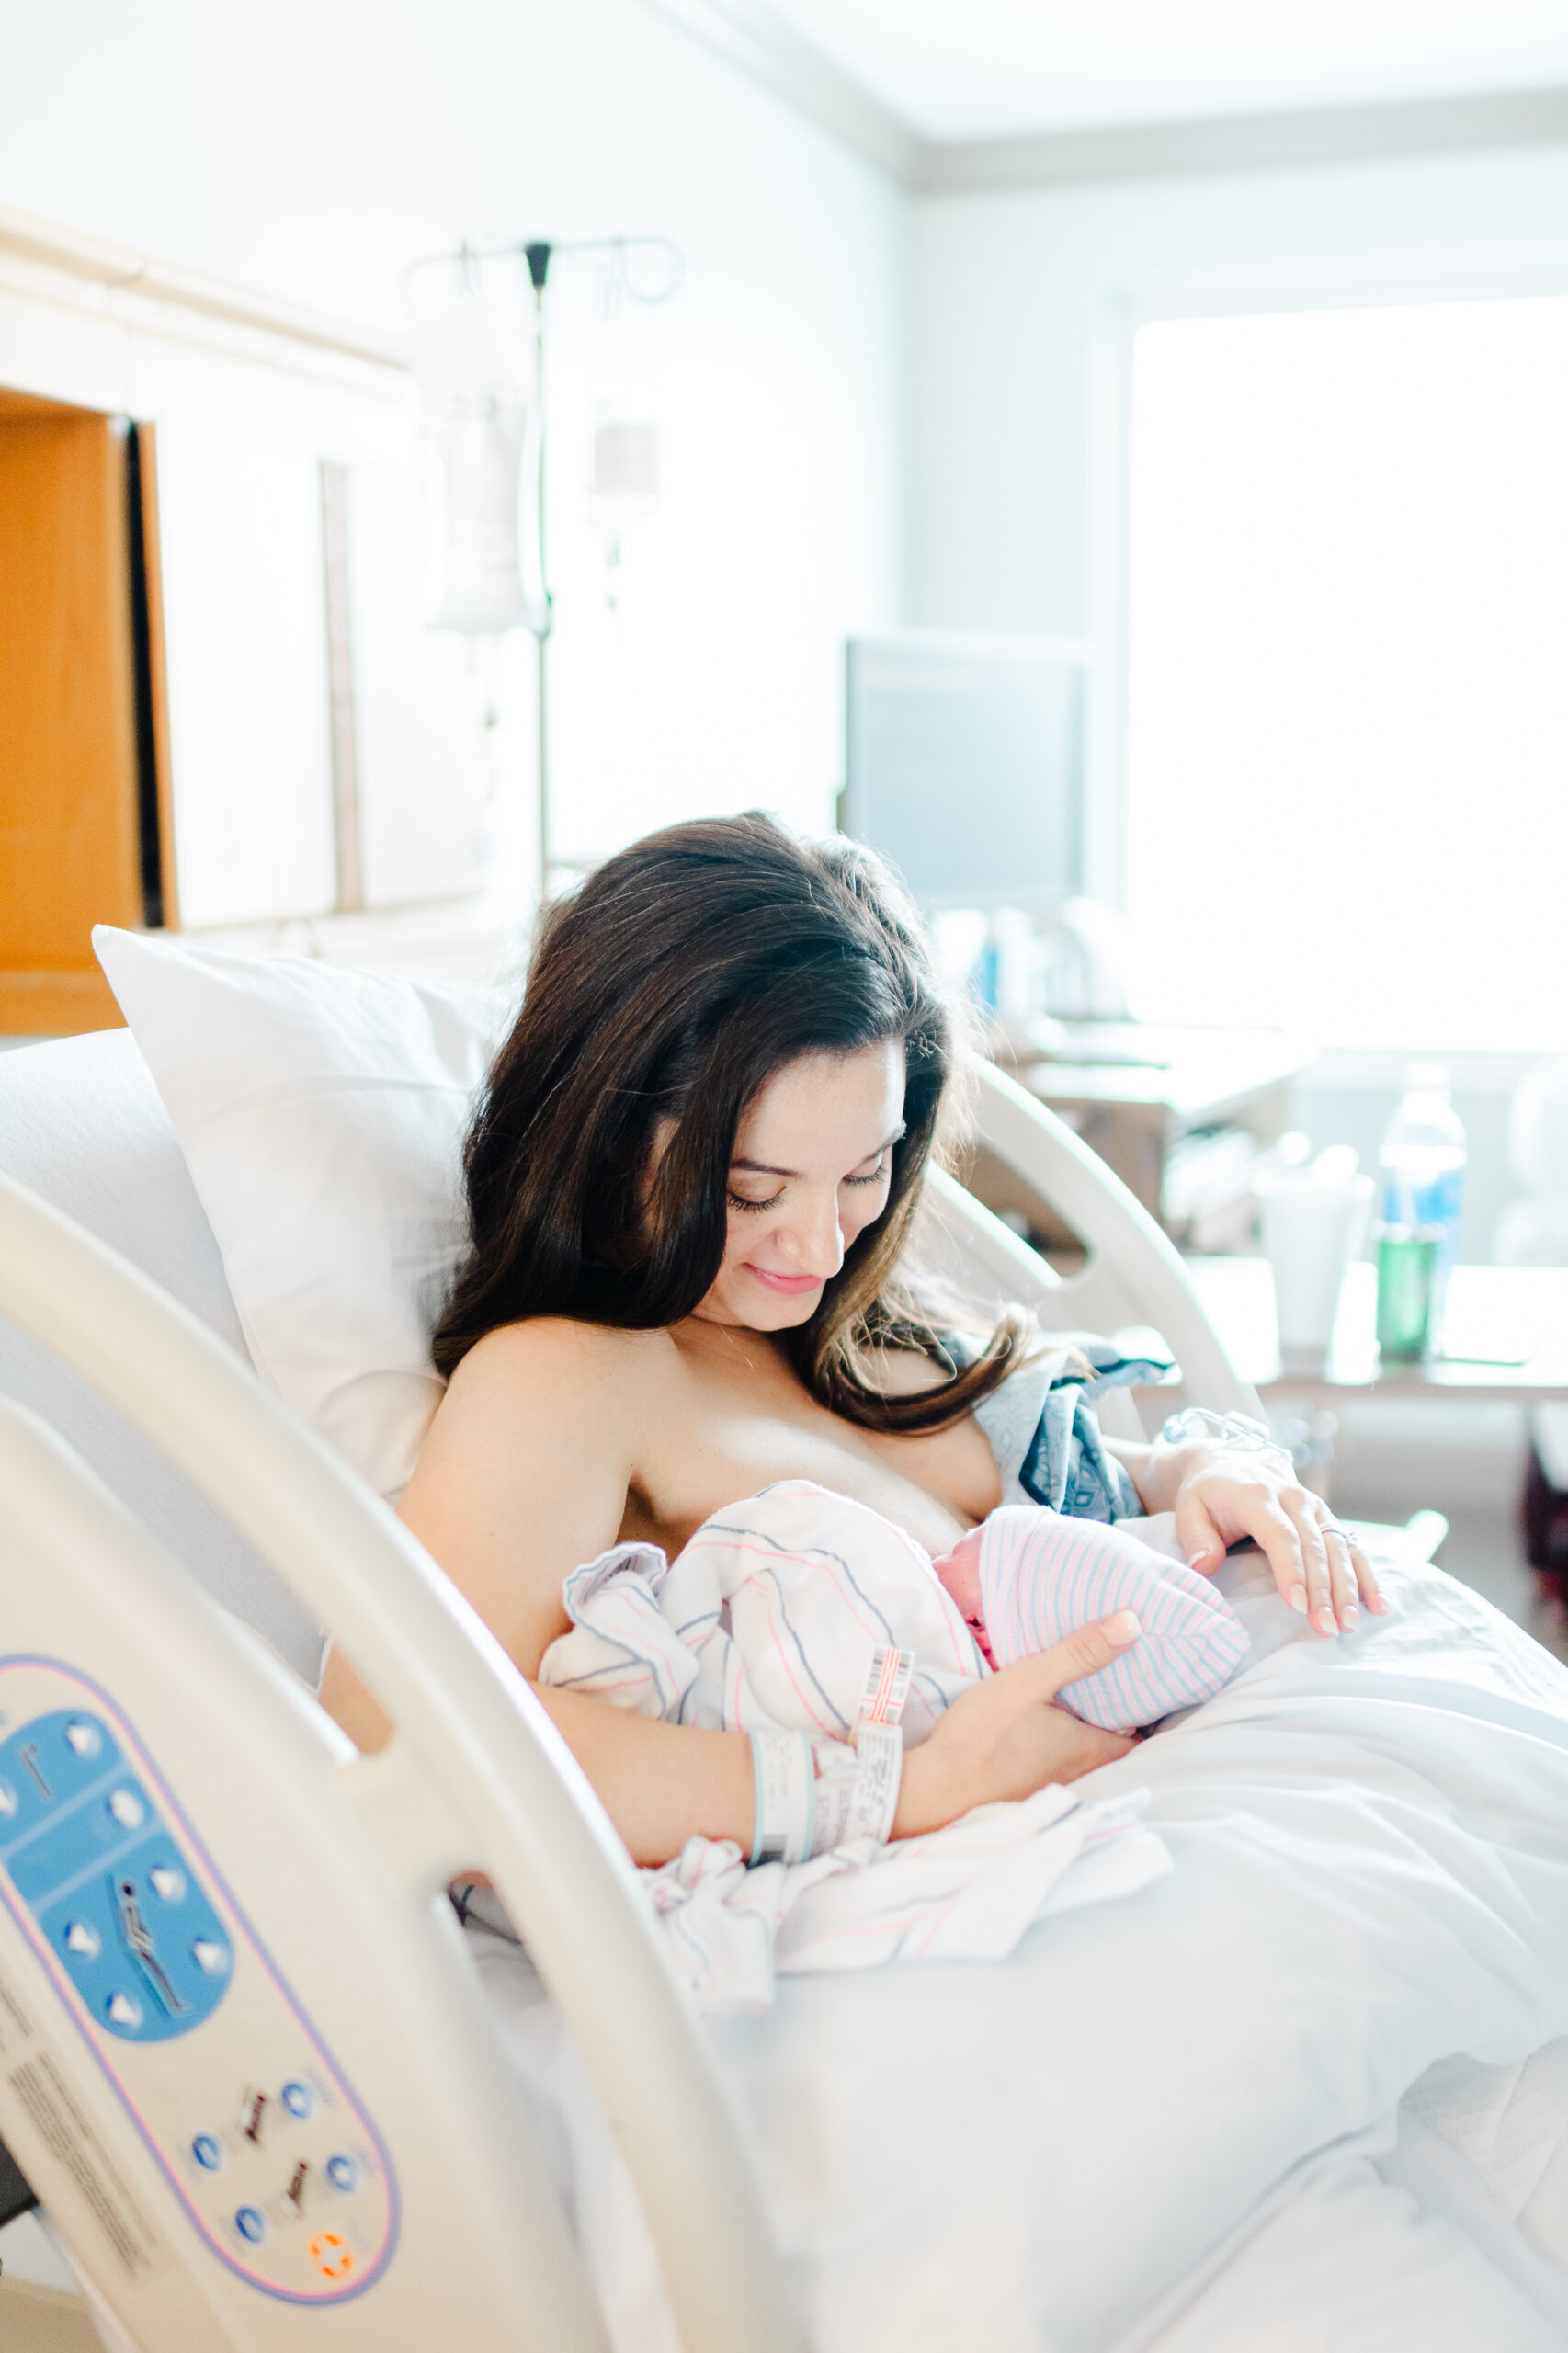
(792, 1286)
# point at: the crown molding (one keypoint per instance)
(120, 269)
(1290, 140)
(749, 35)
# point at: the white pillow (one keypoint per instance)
(321, 1111)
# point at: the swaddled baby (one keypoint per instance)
(779, 1608)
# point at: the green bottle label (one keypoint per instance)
(1407, 1267)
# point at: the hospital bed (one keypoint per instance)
(246, 2060)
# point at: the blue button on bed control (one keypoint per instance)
(7, 1801)
(123, 2009)
(299, 2099)
(84, 1738)
(251, 2223)
(343, 2173)
(167, 1883)
(128, 1809)
(82, 1937)
(207, 2151)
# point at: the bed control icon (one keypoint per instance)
(123, 2009)
(7, 1801)
(128, 1809)
(82, 1937)
(251, 2225)
(212, 1958)
(331, 2255)
(208, 2151)
(137, 1939)
(343, 2173)
(299, 2099)
(84, 1738)
(167, 1883)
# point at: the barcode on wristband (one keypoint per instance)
(887, 1685)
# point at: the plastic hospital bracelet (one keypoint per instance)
(813, 1795)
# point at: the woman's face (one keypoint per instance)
(814, 1159)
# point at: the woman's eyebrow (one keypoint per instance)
(765, 1168)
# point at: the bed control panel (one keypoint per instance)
(236, 2098)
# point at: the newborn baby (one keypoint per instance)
(1026, 1576)
(781, 1608)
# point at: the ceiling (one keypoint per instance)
(953, 70)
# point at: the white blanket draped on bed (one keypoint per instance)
(1169, 2123)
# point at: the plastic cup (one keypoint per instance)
(1311, 1233)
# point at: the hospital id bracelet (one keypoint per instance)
(810, 1798)
(784, 1806)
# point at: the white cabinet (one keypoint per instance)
(245, 650)
(251, 721)
(418, 708)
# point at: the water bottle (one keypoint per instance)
(1421, 1167)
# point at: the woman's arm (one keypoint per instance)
(525, 1474)
(1221, 1494)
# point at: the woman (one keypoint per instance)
(691, 1181)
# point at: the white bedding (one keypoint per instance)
(1171, 2125)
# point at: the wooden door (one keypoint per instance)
(83, 806)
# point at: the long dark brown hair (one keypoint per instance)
(682, 974)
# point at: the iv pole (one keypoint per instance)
(536, 256)
(539, 617)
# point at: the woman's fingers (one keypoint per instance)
(1282, 1536)
(1085, 1652)
(1202, 1545)
(1318, 1568)
(1336, 1578)
(1366, 1577)
(1342, 1571)
(1324, 1596)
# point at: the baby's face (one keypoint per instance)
(960, 1573)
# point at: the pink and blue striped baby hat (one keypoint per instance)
(1041, 1574)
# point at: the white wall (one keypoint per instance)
(1020, 308)
(314, 147)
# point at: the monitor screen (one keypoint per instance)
(965, 765)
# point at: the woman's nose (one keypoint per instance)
(814, 1238)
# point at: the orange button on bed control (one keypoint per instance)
(331, 2255)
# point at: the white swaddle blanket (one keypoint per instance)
(770, 1616)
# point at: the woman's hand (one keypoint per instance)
(1004, 1738)
(1225, 1496)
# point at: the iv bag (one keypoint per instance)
(474, 364)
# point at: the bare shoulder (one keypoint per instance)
(538, 1417)
(561, 1366)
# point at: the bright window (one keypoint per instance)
(1348, 673)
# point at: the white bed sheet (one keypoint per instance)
(1173, 2124)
